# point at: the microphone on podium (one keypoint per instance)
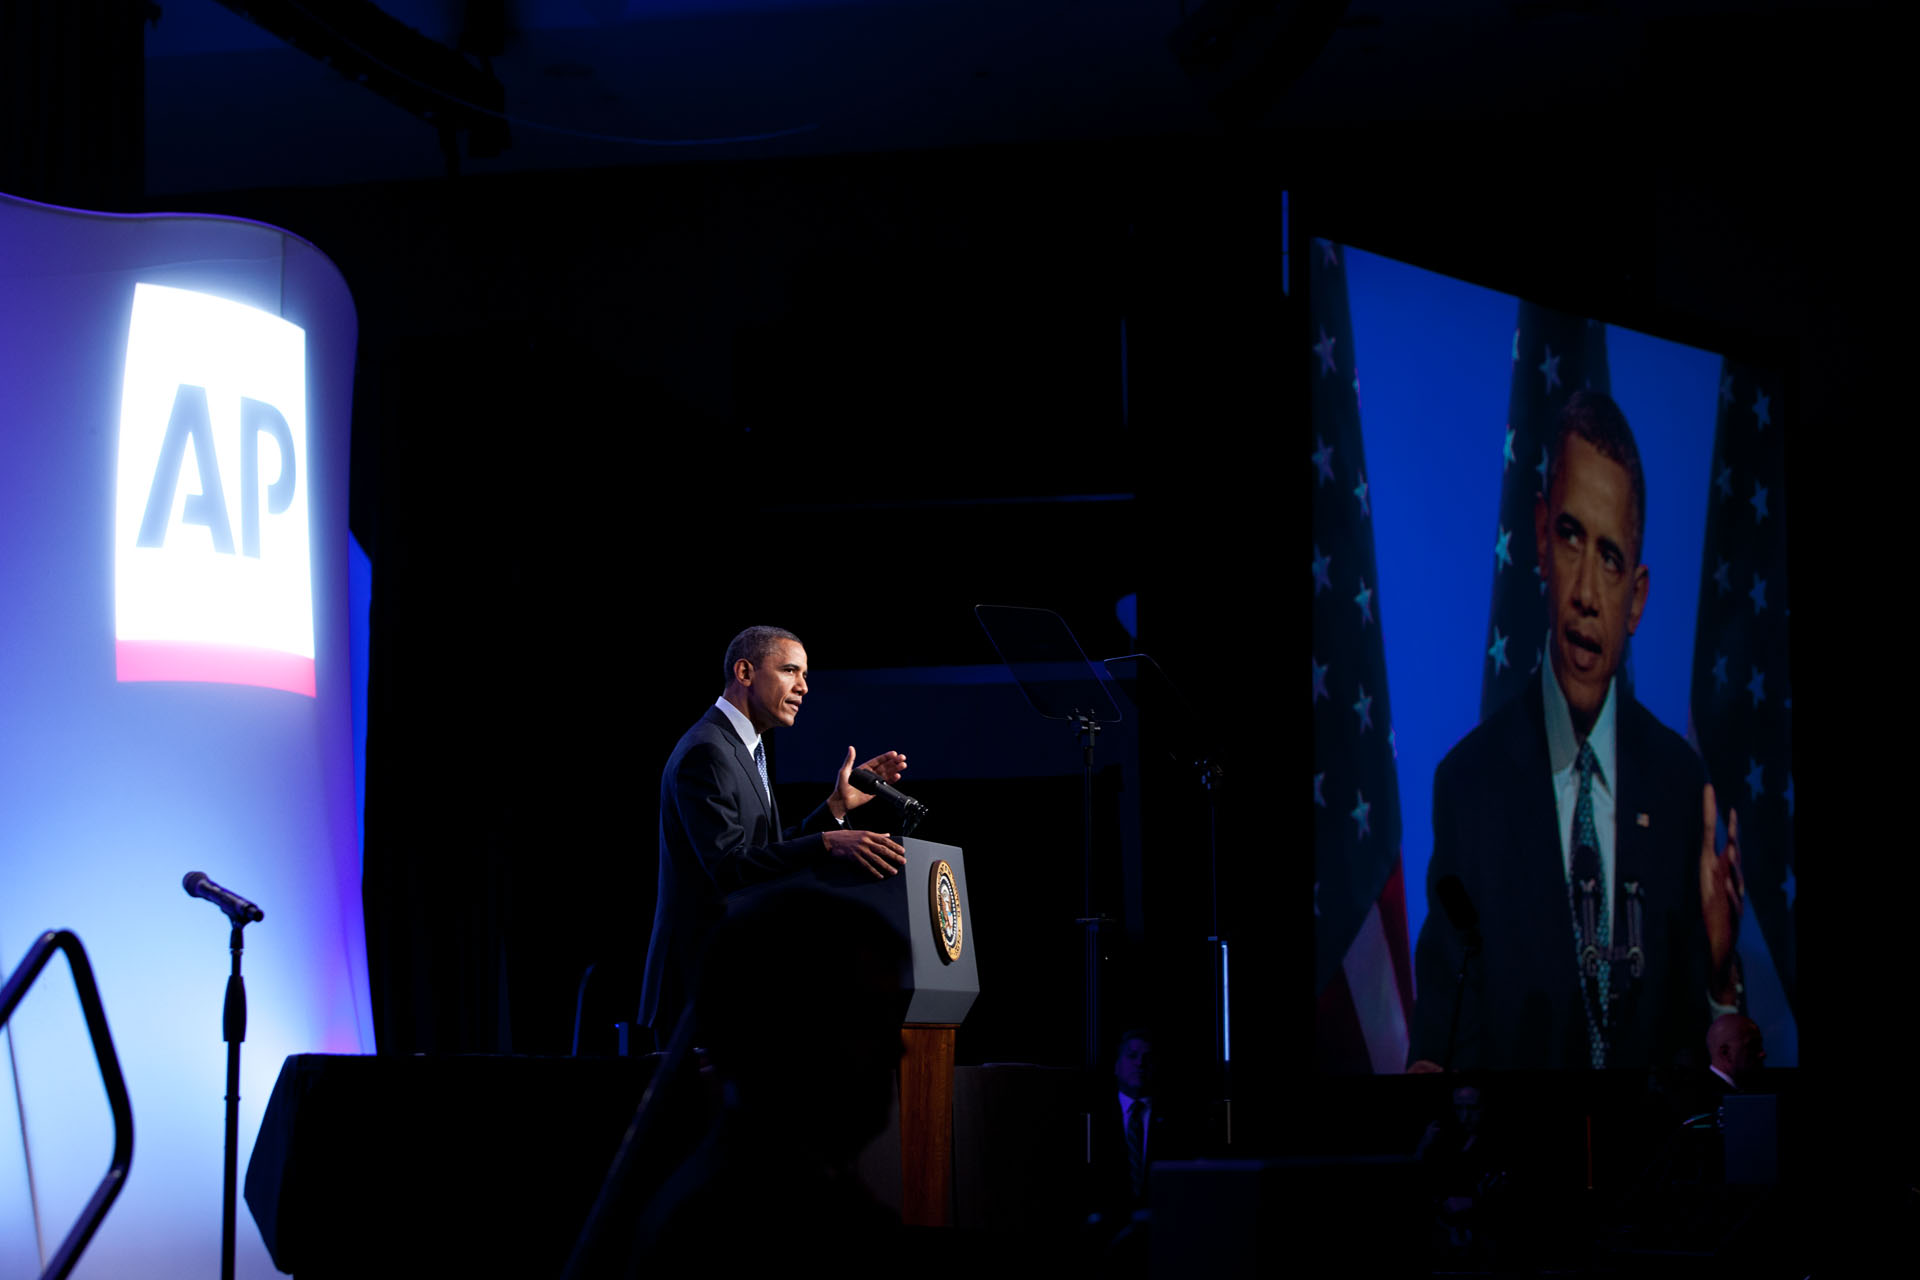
(912, 811)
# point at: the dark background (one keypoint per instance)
(611, 410)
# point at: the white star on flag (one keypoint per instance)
(1726, 389)
(1719, 671)
(1360, 811)
(1762, 418)
(1365, 601)
(1320, 681)
(1498, 652)
(1759, 593)
(1550, 367)
(1360, 492)
(1324, 349)
(1323, 459)
(1500, 552)
(1722, 576)
(1365, 708)
(1319, 799)
(1757, 686)
(1320, 564)
(1507, 451)
(1725, 481)
(1753, 777)
(1759, 501)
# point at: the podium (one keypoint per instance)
(941, 989)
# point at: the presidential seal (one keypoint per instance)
(943, 900)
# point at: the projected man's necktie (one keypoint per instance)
(760, 758)
(1587, 889)
(1137, 1144)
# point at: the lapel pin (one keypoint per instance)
(1642, 820)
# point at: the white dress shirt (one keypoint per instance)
(749, 735)
(1563, 753)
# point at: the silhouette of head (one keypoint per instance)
(1734, 1045)
(799, 1005)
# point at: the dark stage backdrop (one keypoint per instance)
(608, 419)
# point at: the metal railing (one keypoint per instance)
(115, 1178)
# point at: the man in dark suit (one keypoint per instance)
(1130, 1132)
(720, 828)
(1574, 819)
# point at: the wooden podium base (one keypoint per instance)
(926, 1124)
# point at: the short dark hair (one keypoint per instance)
(1131, 1033)
(1595, 418)
(753, 644)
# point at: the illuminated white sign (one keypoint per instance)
(213, 574)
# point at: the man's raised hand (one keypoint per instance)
(846, 797)
(1722, 888)
(873, 850)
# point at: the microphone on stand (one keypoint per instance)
(238, 909)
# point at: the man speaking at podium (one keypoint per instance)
(720, 828)
(1580, 828)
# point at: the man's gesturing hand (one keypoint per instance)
(1722, 887)
(846, 797)
(871, 849)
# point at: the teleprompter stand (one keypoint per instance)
(1180, 729)
(1059, 683)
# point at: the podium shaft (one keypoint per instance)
(926, 1125)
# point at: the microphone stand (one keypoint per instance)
(1470, 947)
(233, 1031)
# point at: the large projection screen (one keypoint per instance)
(1433, 400)
(175, 696)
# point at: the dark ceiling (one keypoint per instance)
(588, 83)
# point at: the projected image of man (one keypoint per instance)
(720, 827)
(1580, 827)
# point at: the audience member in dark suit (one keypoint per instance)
(1466, 1172)
(799, 1004)
(1574, 784)
(1131, 1130)
(720, 827)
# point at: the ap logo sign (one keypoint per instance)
(213, 575)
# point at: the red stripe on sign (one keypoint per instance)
(141, 660)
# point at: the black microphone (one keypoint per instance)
(1460, 910)
(238, 909)
(868, 781)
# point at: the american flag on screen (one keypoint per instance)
(1552, 356)
(1741, 708)
(1362, 975)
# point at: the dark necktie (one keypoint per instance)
(1137, 1144)
(760, 759)
(1586, 871)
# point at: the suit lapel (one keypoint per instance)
(751, 770)
(1542, 888)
